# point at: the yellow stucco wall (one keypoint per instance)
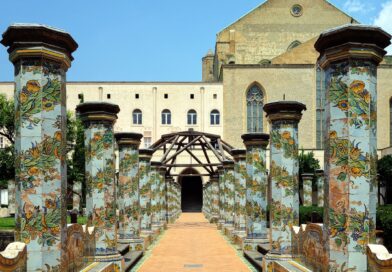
(268, 30)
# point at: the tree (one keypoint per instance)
(7, 128)
(384, 170)
(307, 164)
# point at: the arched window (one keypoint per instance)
(166, 117)
(192, 117)
(137, 117)
(254, 107)
(293, 45)
(215, 117)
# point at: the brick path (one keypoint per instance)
(193, 244)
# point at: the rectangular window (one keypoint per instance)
(108, 96)
(137, 96)
(147, 142)
(215, 96)
(192, 96)
(166, 96)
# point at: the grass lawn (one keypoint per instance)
(8, 223)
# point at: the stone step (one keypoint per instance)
(131, 258)
(123, 249)
(264, 248)
(255, 258)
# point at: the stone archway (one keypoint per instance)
(191, 190)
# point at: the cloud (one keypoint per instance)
(354, 6)
(384, 19)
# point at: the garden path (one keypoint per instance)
(193, 244)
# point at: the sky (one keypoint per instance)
(148, 40)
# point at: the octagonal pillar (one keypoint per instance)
(240, 175)
(256, 190)
(41, 56)
(284, 117)
(320, 187)
(145, 193)
(128, 190)
(349, 56)
(214, 201)
(307, 179)
(221, 220)
(98, 119)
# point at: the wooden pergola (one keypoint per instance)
(174, 144)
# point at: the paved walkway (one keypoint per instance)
(193, 244)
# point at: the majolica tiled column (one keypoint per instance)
(256, 190)
(320, 187)
(162, 196)
(221, 220)
(145, 193)
(41, 56)
(307, 179)
(169, 199)
(128, 190)
(284, 117)
(228, 167)
(77, 196)
(98, 119)
(204, 208)
(155, 196)
(240, 176)
(214, 180)
(349, 57)
(11, 196)
(177, 199)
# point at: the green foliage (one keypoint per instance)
(7, 114)
(307, 163)
(384, 223)
(305, 213)
(384, 169)
(7, 223)
(7, 168)
(76, 161)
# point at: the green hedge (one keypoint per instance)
(7, 223)
(305, 214)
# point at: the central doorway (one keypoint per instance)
(191, 191)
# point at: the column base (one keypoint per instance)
(214, 219)
(156, 228)
(228, 230)
(135, 244)
(239, 237)
(116, 259)
(220, 224)
(250, 244)
(148, 237)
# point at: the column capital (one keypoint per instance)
(354, 42)
(39, 41)
(98, 112)
(228, 164)
(255, 139)
(307, 176)
(284, 111)
(319, 172)
(128, 139)
(238, 154)
(214, 178)
(145, 154)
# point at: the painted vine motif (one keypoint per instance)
(283, 180)
(38, 164)
(285, 141)
(32, 100)
(41, 222)
(102, 179)
(349, 157)
(354, 100)
(99, 143)
(359, 224)
(283, 216)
